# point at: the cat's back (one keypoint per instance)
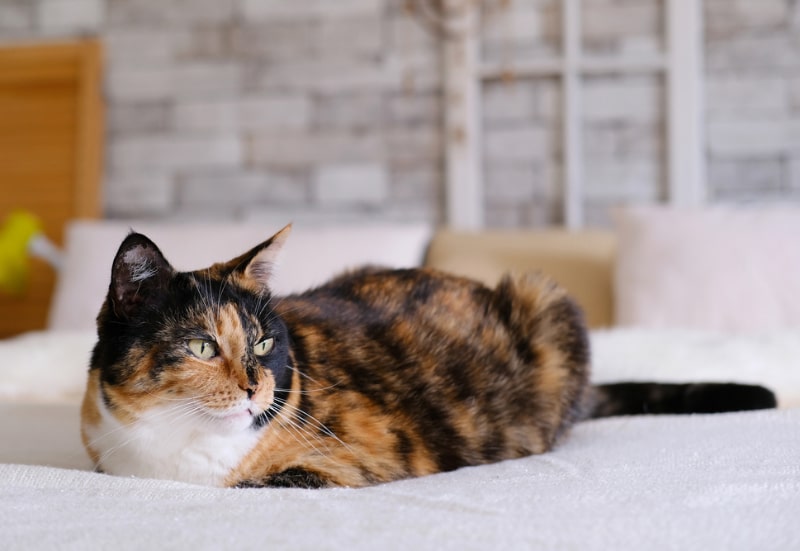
(484, 373)
(372, 294)
(377, 303)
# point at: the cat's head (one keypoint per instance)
(206, 345)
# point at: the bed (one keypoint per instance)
(725, 481)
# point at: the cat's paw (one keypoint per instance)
(290, 478)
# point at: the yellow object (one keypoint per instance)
(15, 235)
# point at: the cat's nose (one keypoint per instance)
(250, 391)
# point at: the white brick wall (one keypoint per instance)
(509, 103)
(762, 177)
(304, 9)
(754, 137)
(629, 180)
(310, 149)
(514, 183)
(207, 115)
(623, 26)
(207, 79)
(793, 86)
(752, 102)
(793, 174)
(138, 84)
(767, 52)
(355, 110)
(71, 15)
(141, 48)
(410, 144)
(17, 16)
(169, 153)
(331, 75)
(727, 17)
(418, 108)
(405, 34)
(281, 112)
(414, 182)
(321, 111)
(270, 41)
(175, 12)
(358, 36)
(746, 96)
(630, 98)
(221, 188)
(144, 193)
(126, 119)
(524, 29)
(525, 143)
(363, 184)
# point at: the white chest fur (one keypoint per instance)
(165, 445)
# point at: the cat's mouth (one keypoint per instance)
(239, 418)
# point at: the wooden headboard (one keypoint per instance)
(51, 127)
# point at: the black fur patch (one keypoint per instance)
(662, 398)
(290, 478)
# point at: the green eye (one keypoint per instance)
(264, 347)
(205, 350)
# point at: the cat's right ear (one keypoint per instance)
(254, 269)
(139, 276)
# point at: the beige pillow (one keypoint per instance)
(580, 261)
(720, 269)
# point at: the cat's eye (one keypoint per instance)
(203, 349)
(264, 347)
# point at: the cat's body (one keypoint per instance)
(375, 376)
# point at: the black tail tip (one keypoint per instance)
(721, 397)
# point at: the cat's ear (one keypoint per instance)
(139, 276)
(254, 269)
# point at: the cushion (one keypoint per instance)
(581, 261)
(311, 256)
(720, 269)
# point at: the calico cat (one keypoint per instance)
(379, 375)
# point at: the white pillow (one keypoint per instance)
(719, 269)
(310, 257)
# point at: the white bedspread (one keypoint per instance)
(728, 481)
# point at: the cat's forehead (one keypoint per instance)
(220, 304)
(230, 323)
(214, 281)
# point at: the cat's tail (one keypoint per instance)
(649, 398)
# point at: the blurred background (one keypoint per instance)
(463, 113)
(325, 111)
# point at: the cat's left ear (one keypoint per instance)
(139, 276)
(254, 269)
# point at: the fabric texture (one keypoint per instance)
(718, 269)
(727, 481)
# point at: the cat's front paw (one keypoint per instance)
(290, 478)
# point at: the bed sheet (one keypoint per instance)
(728, 481)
